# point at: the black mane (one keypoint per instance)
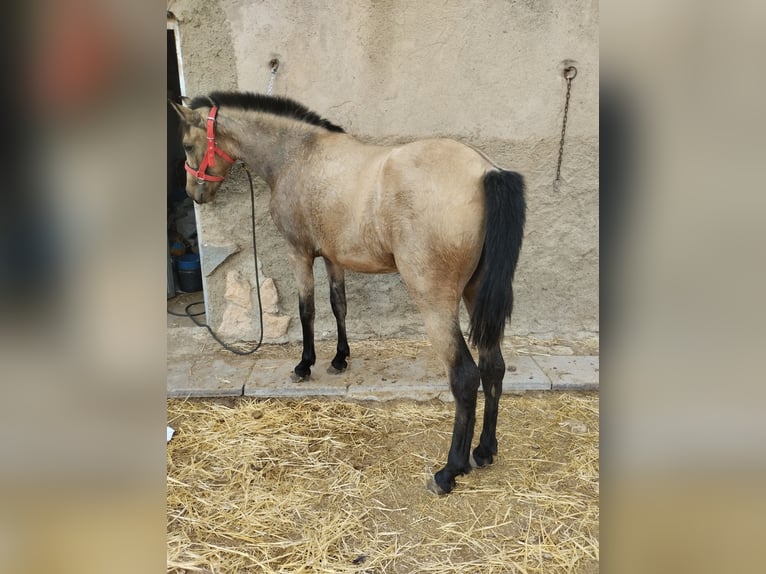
(277, 105)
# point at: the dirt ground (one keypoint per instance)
(395, 348)
(339, 486)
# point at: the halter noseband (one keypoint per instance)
(212, 150)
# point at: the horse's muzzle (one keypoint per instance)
(198, 194)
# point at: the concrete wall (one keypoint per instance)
(487, 73)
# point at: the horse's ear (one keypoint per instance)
(188, 115)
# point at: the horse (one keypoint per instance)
(438, 212)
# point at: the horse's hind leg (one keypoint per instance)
(492, 369)
(444, 332)
(303, 268)
(338, 302)
(464, 384)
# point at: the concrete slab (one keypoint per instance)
(189, 341)
(207, 377)
(365, 379)
(570, 373)
(273, 378)
(420, 379)
(198, 368)
(398, 390)
(527, 376)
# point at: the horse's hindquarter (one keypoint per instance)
(433, 196)
(422, 202)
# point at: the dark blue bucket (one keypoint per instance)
(189, 273)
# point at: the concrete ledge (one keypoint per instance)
(273, 378)
(207, 377)
(419, 378)
(570, 373)
(523, 374)
(386, 391)
(365, 379)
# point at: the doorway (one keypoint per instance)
(184, 274)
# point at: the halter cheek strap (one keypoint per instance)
(212, 150)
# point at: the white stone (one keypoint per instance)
(275, 328)
(237, 290)
(577, 427)
(269, 296)
(237, 324)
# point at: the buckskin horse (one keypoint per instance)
(437, 211)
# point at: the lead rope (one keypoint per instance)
(187, 310)
(191, 316)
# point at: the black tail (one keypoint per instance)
(505, 215)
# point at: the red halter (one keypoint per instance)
(212, 150)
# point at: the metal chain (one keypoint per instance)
(569, 73)
(274, 67)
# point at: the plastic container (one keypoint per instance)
(189, 273)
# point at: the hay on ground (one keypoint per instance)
(337, 486)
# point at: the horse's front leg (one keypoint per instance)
(336, 275)
(303, 268)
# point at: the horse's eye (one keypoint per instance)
(188, 148)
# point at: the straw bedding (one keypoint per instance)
(336, 486)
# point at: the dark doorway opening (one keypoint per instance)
(183, 247)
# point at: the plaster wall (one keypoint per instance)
(487, 73)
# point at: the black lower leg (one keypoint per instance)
(492, 368)
(338, 303)
(308, 358)
(464, 383)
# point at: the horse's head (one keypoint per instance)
(206, 163)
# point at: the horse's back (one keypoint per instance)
(440, 156)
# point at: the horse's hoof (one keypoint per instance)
(338, 365)
(439, 485)
(296, 378)
(301, 372)
(435, 488)
(333, 370)
(479, 462)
